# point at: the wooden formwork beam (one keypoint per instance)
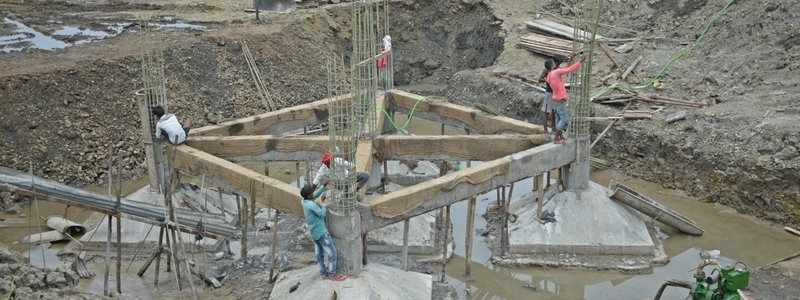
(482, 148)
(276, 122)
(459, 116)
(263, 147)
(267, 191)
(521, 165)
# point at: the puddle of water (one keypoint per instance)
(39, 40)
(44, 258)
(179, 24)
(14, 227)
(25, 35)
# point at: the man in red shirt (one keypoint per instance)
(560, 96)
(547, 103)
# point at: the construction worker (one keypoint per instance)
(560, 96)
(323, 244)
(324, 172)
(169, 128)
(547, 103)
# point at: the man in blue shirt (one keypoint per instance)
(315, 218)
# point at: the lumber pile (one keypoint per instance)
(557, 29)
(546, 45)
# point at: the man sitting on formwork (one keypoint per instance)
(324, 172)
(168, 127)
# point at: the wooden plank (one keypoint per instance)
(603, 46)
(475, 147)
(276, 122)
(565, 28)
(678, 115)
(459, 116)
(633, 65)
(255, 145)
(267, 191)
(547, 39)
(526, 44)
(637, 115)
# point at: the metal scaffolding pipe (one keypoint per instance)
(12, 179)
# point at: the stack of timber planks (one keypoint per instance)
(558, 41)
(546, 45)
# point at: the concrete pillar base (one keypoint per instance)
(577, 177)
(345, 229)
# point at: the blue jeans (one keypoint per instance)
(560, 109)
(325, 243)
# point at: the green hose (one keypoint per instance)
(408, 121)
(684, 52)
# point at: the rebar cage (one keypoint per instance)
(587, 15)
(363, 68)
(155, 90)
(342, 138)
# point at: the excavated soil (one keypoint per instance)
(741, 152)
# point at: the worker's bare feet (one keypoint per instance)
(188, 123)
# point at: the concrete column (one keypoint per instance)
(375, 174)
(578, 172)
(387, 124)
(160, 159)
(345, 229)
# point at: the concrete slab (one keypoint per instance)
(401, 174)
(421, 234)
(376, 282)
(587, 223)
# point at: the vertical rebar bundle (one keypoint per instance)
(342, 132)
(586, 20)
(363, 68)
(155, 89)
(269, 103)
(385, 70)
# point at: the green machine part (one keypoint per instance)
(723, 286)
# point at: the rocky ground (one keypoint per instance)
(22, 281)
(63, 108)
(781, 281)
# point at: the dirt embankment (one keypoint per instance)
(741, 152)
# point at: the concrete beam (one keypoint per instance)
(458, 116)
(265, 190)
(275, 122)
(521, 165)
(464, 147)
(263, 147)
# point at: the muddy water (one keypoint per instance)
(737, 237)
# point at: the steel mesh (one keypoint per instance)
(342, 139)
(155, 90)
(385, 74)
(585, 28)
(363, 68)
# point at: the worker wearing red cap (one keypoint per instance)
(324, 172)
